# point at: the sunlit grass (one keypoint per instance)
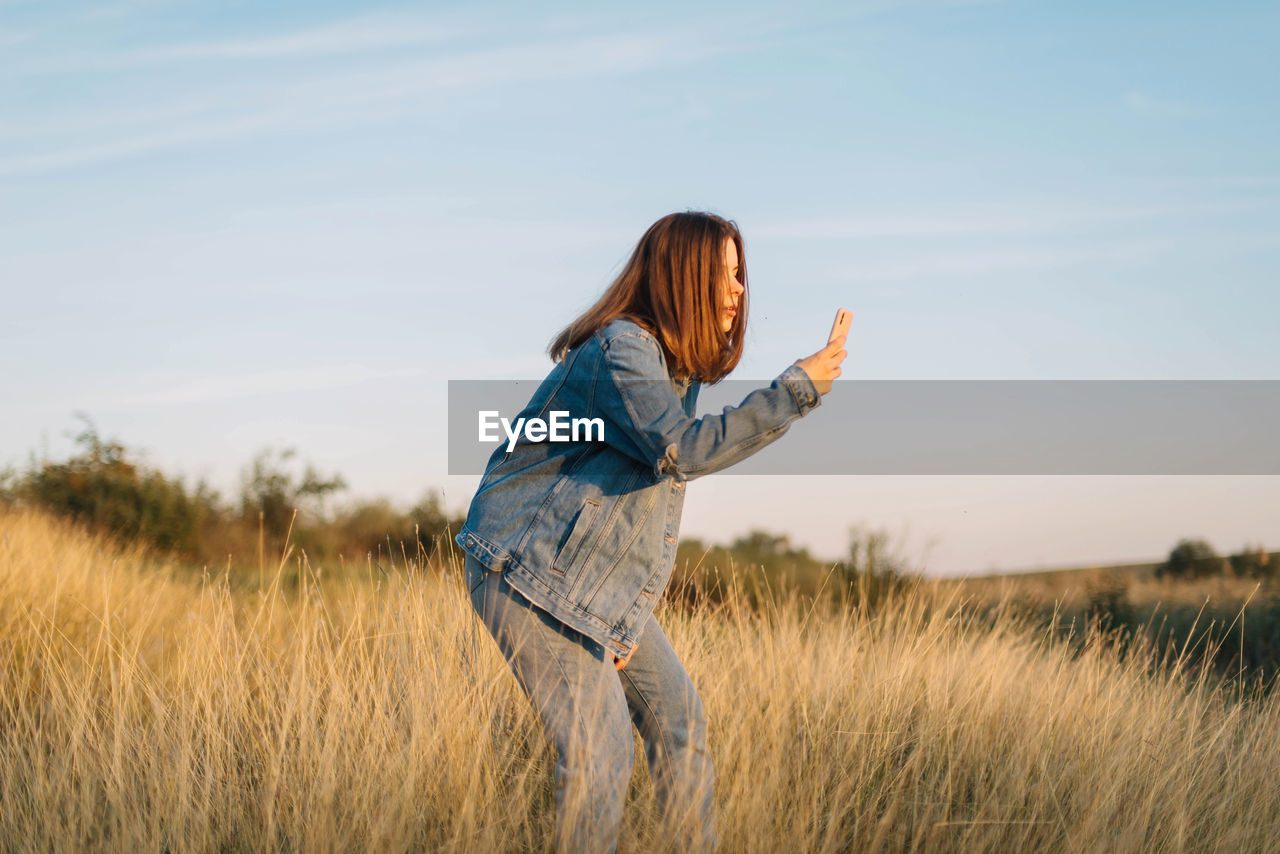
(143, 708)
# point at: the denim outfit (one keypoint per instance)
(586, 708)
(587, 530)
(568, 546)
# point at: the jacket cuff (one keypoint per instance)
(801, 388)
(667, 464)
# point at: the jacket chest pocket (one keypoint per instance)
(577, 536)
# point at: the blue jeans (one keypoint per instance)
(586, 707)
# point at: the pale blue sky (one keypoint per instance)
(224, 226)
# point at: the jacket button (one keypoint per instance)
(470, 542)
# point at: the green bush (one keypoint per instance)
(763, 565)
(104, 488)
(1191, 559)
(1253, 563)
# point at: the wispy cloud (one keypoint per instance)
(9, 38)
(368, 94)
(1219, 182)
(214, 388)
(209, 131)
(369, 33)
(1096, 255)
(357, 35)
(1147, 105)
(197, 388)
(98, 121)
(1010, 260)
(1024, 220)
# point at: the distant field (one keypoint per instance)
(1067, 574)
(1072, 586)
(143, 708)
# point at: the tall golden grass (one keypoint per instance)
(1072, 588)
(143, 709)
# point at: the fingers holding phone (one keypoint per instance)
(824, 365)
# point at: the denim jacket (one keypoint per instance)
(586, 530)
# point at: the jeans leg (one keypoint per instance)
(574, 688)
(667, 710)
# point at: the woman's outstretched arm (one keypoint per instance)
(638, 400)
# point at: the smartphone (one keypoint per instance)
(841, 326)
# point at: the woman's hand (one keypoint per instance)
(824, 365)
(619, 663)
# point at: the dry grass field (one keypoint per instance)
(143, 708)
(1072, 588)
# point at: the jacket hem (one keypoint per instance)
(532, 588)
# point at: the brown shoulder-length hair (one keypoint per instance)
(669, 286)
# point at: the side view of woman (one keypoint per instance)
(569, 545)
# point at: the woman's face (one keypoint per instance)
(730, 288)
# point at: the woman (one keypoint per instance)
(569, 544)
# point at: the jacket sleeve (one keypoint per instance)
(636, 398)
